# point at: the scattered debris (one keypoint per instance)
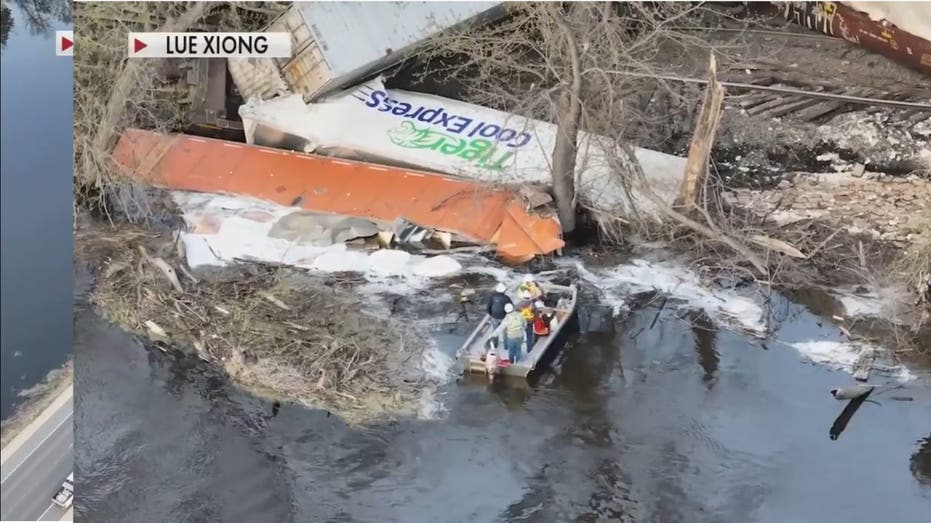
(852, 392)
(534, 197)
(883, 210)
(864, 364)
(155, 330)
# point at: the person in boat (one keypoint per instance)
(527, 309)
(529, 286)
(496, 303)
(542, 321)
(515, 328)
(491, 359)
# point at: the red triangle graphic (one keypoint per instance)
(139, 45)
(66, 44)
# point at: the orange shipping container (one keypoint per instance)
(481, 213)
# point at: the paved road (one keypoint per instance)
(32, 475)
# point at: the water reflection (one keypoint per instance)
(704, 331)
(921, 462)
(6, 24)
(40, 15)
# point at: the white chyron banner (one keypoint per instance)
(209, 45)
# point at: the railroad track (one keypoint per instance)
(824, 103)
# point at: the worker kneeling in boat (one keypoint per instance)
(541, 323)
(514, 332)
(529, 286)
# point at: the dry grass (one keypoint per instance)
(915, 265)
(36, 400)
(272, 330)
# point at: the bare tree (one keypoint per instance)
(112, 93)
(570, 64)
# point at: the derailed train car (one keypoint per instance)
(878, 28)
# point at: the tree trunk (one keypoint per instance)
(691, 190)
(567, 133)
(564, 155)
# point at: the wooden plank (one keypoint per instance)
(752, 100)
(817, 111)
(790, 107)
(776, 102)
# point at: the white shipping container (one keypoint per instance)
(336, 44)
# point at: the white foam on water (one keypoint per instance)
(437, 266)
(437, 364)
(843, 355)
(501, 274)
(439, 368)
(679, 283)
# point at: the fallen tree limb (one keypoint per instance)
(165, 269)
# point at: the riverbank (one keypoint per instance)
(280, 333)
(41, 400)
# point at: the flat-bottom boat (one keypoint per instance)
(545, 348)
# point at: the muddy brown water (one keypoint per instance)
(670, 423)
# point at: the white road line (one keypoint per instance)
(50, 507)
(33, 451)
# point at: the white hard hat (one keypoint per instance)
(501, 287)
(528, 278)
(509, 308)
(538, 304)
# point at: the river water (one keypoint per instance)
(663, 420)
(36, 103)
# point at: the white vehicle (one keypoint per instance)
(65, 495)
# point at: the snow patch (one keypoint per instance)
(680, 283)
(860, 305)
